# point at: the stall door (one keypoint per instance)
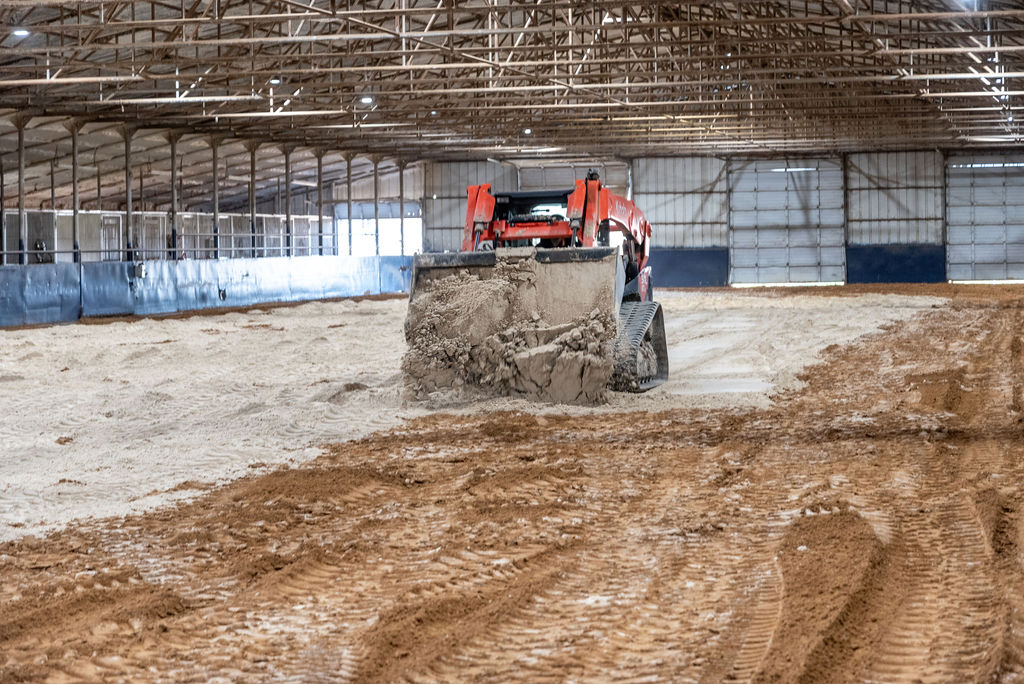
(786, 222)
(985, 217)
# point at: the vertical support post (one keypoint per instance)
(173, 138)
(75, 225)
(128, 132)
(214, 148)
(142, 218)
(376, 205)
(944, 234)
(348, 196)
(401, 205)
(288, 199)
(3, 217)
(22, 226)
(320, 201)
(99, 180)
(252, 146)
(728, 215)
(53, 185)
(845, 160)
(334, 222)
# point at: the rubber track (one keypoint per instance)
(635, 319)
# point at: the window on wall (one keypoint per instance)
(385, 232)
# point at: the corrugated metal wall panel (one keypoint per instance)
(450, 179)
(679, 174)
(444, 203)
(895, 198)
(442, 240)
(615, 177)
(685, 199)
(787, 221)
(362, 189)
(985, 217)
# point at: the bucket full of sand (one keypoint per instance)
(533, 323)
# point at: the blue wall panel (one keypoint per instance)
(47, 293)
(106, 290)
(690, 267)
(199, 283)
(41, 293)
(255, 281)
(341, 276)
(395, 274)
(157, 293)
(895, 264)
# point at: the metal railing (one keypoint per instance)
(48, 237)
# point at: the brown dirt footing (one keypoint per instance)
(866, 527)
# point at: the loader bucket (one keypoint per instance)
(564, 283)
(525, 322)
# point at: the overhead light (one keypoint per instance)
(433, 112)
(794, 169)
(366, 99)
(20, 32)
(527, 131)
(275, 81)
(988, 165)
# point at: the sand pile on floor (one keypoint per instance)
(470, 337)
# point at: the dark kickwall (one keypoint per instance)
(895, 264)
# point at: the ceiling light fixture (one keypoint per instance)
(527, 131)
(433, 112)
(20, 32)
(366, 99)
(275, 81)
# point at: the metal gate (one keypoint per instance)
(152, 243)
(787, 222)
(110, 237)
(985, 217)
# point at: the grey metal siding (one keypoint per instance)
(614, 176)
(685, 199)
(895, 198)
(444, 202)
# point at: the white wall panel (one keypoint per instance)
(685, 199)
(895, 198)
(787, 221)
(985, 215)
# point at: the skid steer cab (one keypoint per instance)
(588, 215)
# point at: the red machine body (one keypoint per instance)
(588, 213)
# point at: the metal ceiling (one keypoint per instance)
(421, 79)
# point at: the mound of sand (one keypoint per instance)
(470, 337)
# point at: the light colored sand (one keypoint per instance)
(737, 349)
(151, 404)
